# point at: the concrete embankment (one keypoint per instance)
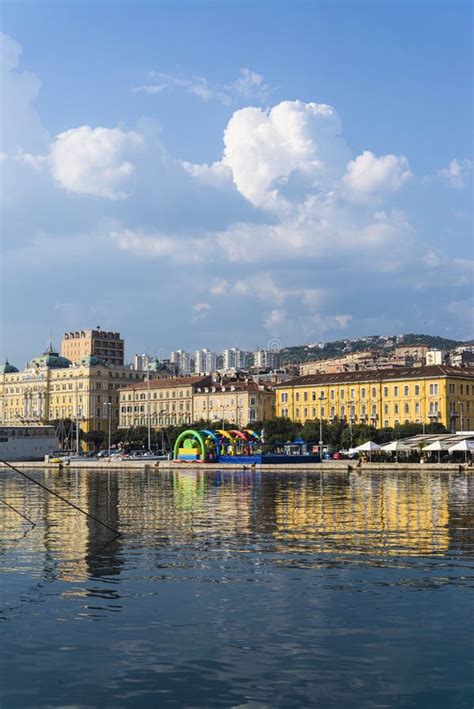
(334, 466)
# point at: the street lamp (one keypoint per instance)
(108, 404)
(350, 405)
(321, 399)
(461, 409)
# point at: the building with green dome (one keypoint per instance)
(52, 387)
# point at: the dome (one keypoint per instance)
(7, 368)
(50, 360)
(91, 361)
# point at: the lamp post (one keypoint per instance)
(461, 409)
(148, 408)
(350, 405)
(78, 433)
(321, 399)
(108, 405)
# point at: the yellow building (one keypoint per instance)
(384, 397)
(107, 346)
(237, 402)
(51, 387)
(165, 401)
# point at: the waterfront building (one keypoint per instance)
(238, 402)
(51, 387)
(383, 398)
(107, 346)
(181, 361)
(205, 361)
(163, 402)
(435, 357)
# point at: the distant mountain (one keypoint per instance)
(338, 348)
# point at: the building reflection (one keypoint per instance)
(366, 514)
(403, 514)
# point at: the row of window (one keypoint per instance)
(364, 392)
(364, 412)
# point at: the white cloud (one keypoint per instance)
(93, 161)
(201, 311)
(369, 174)
(149, 89)
(292, 149)
(248, 85)
(146, 245)
(456, 173)
(216, 175)
(275, 320)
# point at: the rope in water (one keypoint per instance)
(33, 524)
(63, 499)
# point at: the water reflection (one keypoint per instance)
(237, 589)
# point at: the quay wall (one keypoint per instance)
(326, 467)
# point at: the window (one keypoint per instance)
(417, 390)
(417, 408)
(297, 413)
(342, 394)
(406, 408)
(353, 393)
(313, 396)
(362, 392)
(395, 390)
(374, 392)
(385, 391)
(306, 413)
(395, 409)
(343, 411)
(406, 390)
(252, 401)
(333, 412)
(333, 393)
(374, 409)
(305, 396)
(314, 412)
(322, 412)
(297, 396)
(434, 389)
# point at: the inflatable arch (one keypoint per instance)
(187, 435)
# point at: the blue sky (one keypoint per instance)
(218, 174)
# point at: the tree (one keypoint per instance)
(96, 438)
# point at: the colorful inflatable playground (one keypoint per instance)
(231, 446)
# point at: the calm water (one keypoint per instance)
(238, 590)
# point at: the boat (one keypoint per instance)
(27, 442)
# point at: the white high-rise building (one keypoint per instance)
(140, 362)
(182, 361)
(235, 358)
(205, 361)
(265, 359)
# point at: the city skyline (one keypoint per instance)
(194, 190)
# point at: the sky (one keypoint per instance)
(219, 174)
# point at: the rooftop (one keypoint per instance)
(377, 375)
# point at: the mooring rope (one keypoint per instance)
(33, 524)
(63, 499)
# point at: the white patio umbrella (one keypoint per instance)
(437, 446)
(396, 446)
(464, 445)
(368, 446)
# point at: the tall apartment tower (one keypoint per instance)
(264, 359)
(182, 361)
(205, 361)
(106, 345)
(235, 358)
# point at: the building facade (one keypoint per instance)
(51, 387)
(233, 358)
(383, 398)
(107, 346)
(205, 361)
(163, 402)
(265, 359)
(240, 403)
(181, 361)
